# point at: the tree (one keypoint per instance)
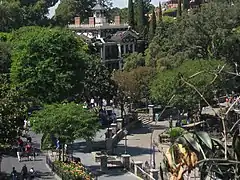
(11, 16)
(68, 9)
(133, 61)
(5, 57)
(185, 5)
(173, 82)
(179, 8)
(98, 82)
(48, 64)
(141, 17)
(135, 83)
(208, 33)
(67, 121)
(160, 12)
(131, 13)
(153, 25)
(124, 15)
(12, 111)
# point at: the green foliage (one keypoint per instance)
(175, 132)
(153, 25)
(68, 9)
(11, 16)
(48, 64)
(12, 111)
(160, 15)
(133, 61)
(98, 82)
(179, 8)
(135, 83)
(47, 142)
(205, 147)
(169, 82)
(67, 121)
(15, 14)
(5, 57)
(130, 13)
(141, 17)
(205, 33)
(172, 12)
(4, 37)
(185, 5)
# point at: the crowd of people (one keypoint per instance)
(25, 174)
(25, 149)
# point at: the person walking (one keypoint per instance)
(31, 173)
(14, 174)
(24, 172)
(28, 150)
(19, 153)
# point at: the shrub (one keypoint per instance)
(72, 171)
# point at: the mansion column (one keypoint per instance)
(124, 49)
(134, 47)
(104, 52)
(119, 50)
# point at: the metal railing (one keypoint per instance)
(144, 174)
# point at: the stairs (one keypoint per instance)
(145, 118)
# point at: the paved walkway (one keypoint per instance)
(8, 162)
(139, 143)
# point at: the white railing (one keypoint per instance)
(96, 25)
(145, 173)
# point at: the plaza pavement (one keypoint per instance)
(8, 162)
(139, 143)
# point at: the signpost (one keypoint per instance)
(125, 133)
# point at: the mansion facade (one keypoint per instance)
(112, 40)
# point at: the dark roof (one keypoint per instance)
(119, 35)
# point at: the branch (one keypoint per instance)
(192, 86)
(218, 160)
(232, 106)
(216, 75)
(200, 72)
(236, 123)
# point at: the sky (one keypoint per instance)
(116, 3)
(123, 3)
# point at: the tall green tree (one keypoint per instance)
(179, 8)
(160, 12)
(5, 57)
(12, 111)
(11, 16)
(98, 82)
(48, 64)
(153, 25)
(141, 17)
(133, 61)
(185, 5)
(131, 13)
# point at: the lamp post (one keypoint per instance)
(125, 133)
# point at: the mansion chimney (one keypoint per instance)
(77, 21)
(117, 20)
(92, 21)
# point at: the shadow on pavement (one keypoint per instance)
(115, 173)
(133, 151)
(4, 176)
(147, 129)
